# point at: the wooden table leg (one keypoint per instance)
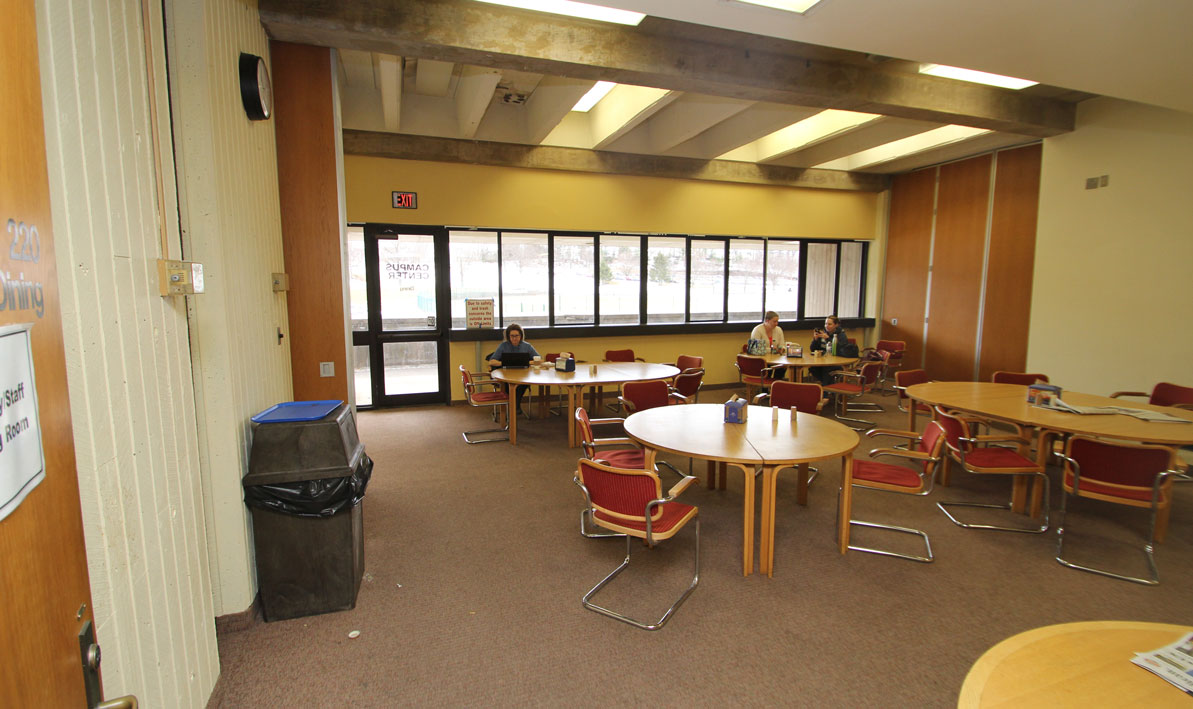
(722, 472)
(801, 484)
(766, 538)
(712, 475)
(846, 502)
(512, 414)
(747, 544)
(571, 416)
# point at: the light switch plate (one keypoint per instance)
(327, 369)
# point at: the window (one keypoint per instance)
(474, 271)
(849, 302)
(707, 291)
(573, 266)
(745, 279)
(358, 300)
(620, 279)
(822, 280)
(782, 278)
(666, 279)
(524, 279)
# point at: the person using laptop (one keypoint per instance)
(514, 342)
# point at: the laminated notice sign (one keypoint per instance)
(478, 312)
(22, 461)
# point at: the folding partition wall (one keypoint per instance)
(960, 254)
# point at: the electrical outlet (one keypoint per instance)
(327, 369)
(1091, 183)
(894, 321)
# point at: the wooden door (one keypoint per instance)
(45, 597)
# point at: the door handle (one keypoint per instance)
(128, 701)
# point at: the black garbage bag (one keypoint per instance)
(313, 498)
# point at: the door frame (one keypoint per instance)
(375, 337)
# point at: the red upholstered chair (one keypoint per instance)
(631, 502)
(975, 455)
(851, 385)
(640, 396)
(485, 393)
(754, 373)
(876, 475)
(686, 385)
(684, 362)
(910, 377)
(805, 397)
(1024, 378)
(1134, 474)
(890, 353)
(1164, 394)
(621, 356)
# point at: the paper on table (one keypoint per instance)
(1059, 405)
(1172, 662)
(1146, 415)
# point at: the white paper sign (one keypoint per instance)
(478, 312)
(22, 461)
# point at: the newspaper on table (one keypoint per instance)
(1172, 662)
(1142, 414)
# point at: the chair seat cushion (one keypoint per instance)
(844, 388)
(490, 396)
(994, 457)
(630, 458)
(885, 473)
(674, 513)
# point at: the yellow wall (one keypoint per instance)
(478, 195)
(1110, 300)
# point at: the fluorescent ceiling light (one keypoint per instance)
(903, 147)
(594, 95)
(799, 6)
(977, 77)
(574, 9)
(799, 135)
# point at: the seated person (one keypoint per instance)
(831, 337)
(769, 332)
(513, 342)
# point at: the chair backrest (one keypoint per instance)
(750, 365)
(551, 356)
(909, 377)
(688, 382)
(1115, 470)
(646, 395)
(1024, 378)
(805, 397)
(893, 349)
(1165, 394)
(931, 442)
(587, 438)
(683, 362)
(870, 372)
(618, 492)
(619, 355)
(954, 429)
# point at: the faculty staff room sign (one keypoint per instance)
(22, 463)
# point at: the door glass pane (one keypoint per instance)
(620, 267)
(358, 298)
(745, 279)
(473, 266)
(411, 367)
(849, 302)
(362, 374)
(666, 279)
(822, 280)
(708, 280)
(573, 269)
(782, 278)
(406, 266)
(524, 279)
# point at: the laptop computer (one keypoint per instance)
(515, 360)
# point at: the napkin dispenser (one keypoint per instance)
(736, 410)
(1042, 394)
(565, 365)
(794, 349)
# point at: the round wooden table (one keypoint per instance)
(700, 431)
(1074, 665)
(1008, 402)
(801, 364)
(607, 373)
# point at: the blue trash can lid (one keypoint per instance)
(297, 411)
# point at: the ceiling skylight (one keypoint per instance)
(901, 148)
(798, 135)
(799, 6)
(594, 95)
(574, 9)
(977, 77)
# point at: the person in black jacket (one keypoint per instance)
(829, 340)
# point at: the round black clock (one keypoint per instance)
(255, 90)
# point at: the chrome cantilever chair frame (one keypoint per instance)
(841, 403)
(1148, 546)
(470, 390)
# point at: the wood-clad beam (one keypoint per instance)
(475, 152)
(720, 63)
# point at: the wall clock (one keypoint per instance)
(255, 90)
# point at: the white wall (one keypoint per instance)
(1112, 298)
(128, 358)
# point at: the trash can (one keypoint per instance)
(307, 475)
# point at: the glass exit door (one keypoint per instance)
(400, 335)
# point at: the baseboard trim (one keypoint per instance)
(236, 622)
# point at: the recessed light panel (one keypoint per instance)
(797, 6)
(574, 9)
(977, 77)
(904, 147)
(594, 95)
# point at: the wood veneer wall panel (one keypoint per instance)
(307, 191)
(1012, 256)
(909, 239)
(961, 212)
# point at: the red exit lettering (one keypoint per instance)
(405, 200)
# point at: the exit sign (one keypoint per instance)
(405, 200)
